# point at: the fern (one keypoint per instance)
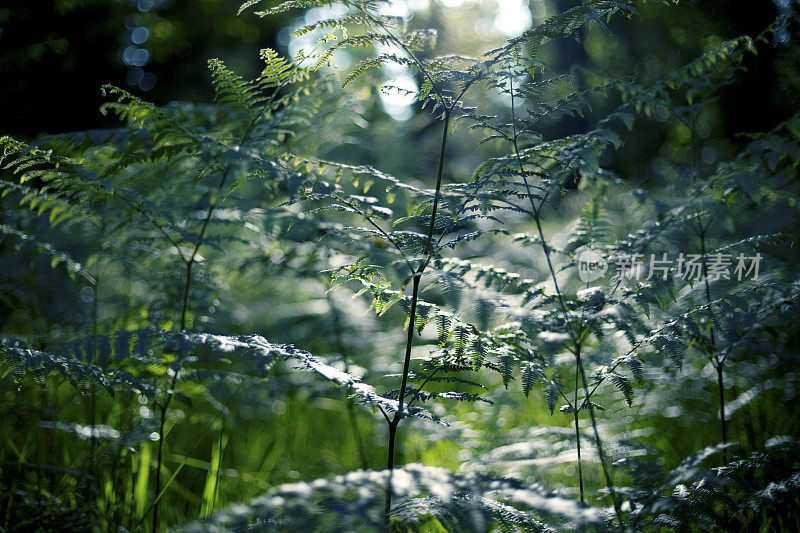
(456, 500)
(21, 361)
(470, 261)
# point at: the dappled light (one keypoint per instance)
(400, 265)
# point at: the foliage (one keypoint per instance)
(525, 276)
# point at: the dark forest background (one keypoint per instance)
(55, 55)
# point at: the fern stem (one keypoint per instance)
(409, 341)
(187, 285)
(417, 277)
(431, 227)
(188, 453)
(193, 257)
(534, 209)
(722, 411)
(398, 415)
(390, 467)
(575, 337)
(160, 452)
(717, 362)
(577, 428)
(600, 450)
(201, 236)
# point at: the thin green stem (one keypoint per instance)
(717, 362)
(577, 427)
(600, 450)
(180, 466)
(422, 386)
(209, 213)
(219, 467)
(575, 336)
(161, 437)
(187, 285)
(394, 422)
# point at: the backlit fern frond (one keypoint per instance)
(253, 96)
(283, 6)
(354, 501)
(20, 361)
(253, 346)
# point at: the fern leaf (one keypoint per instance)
(531, 374)
(506, 362)
(443, 328)
(552, 392)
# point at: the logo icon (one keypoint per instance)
(591, 265)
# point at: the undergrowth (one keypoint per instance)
(525, 334)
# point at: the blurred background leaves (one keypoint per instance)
(55, 56)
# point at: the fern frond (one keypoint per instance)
(283, 6)
(57, 257)
(21, 361)
(266, 352)
(357, 499)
